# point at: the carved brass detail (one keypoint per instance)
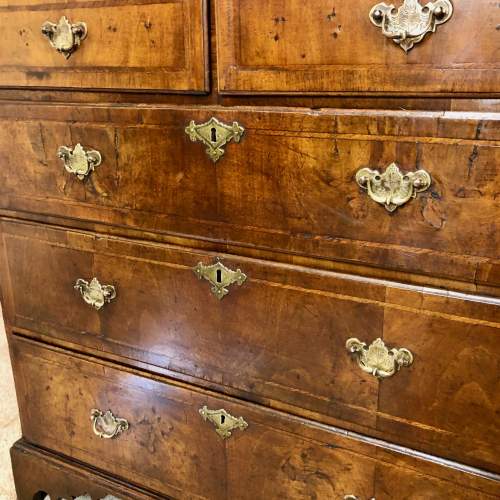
(224, 422)
(215, 135)
(377, 359)
(79, 162)
(106, 425)
(64, 36)
(393, 188)
(220, 277)
(410, 23)
(95, 294)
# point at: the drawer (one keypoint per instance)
(281, 337)
(289, 185)
(151, 45)
(194, 444)
(39, 473)
(263, 47)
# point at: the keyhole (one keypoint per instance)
(222, 419)
(219, 276)
(214, 134)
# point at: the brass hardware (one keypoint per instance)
(64, 36)
(79, 162)
(215, 135)
(95, 294)
(220, 277)
(106, 425)
(224, 422)
(410, 23)
(393, 188)
(377, 359)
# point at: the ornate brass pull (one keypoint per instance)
(215, 135)
(377, 359)
(78, 161)
(354, 497)
(106, 425)
(64, 36)
(393, 188)
(95, 294)
(220, 277)
(224, 422)
(410, 23)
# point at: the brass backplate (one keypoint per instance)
(79, 161)
(64, 36)
(95, 294)
(106, 425)
(220, 277)
(224, 422)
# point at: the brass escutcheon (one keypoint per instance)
(79, 161)
(95, 294)
(376, 359)
(410, 23)
(220, 277)
(224, 422)
(64, 36)
(393, 188)
(106, 425)
(215, 135)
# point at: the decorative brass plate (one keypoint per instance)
(79, 162)
(377, 359)
(410, 23)
(215, 135)
(224, 422)
(64, 36)
(106, 425)
(220, 277)
(95, 294)
(393, 188)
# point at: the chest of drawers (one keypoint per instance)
(250, 250)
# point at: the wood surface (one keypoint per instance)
(145, 45)
(277, 456)
(280, 336)
(276, 46)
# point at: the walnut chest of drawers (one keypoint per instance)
(250, 249)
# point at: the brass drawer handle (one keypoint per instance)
(354, 497)
(410, 23)
(79, 161)
(64, 36)
(220, 277)
(393, 188)
(224, 422)
(95, 294)
(377, 359)
(106, 425)
(215, 135)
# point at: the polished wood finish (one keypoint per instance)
(280, 336)
(289, 185)
(272, 46)
(166, 430)
(140, 45)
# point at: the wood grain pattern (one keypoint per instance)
(275, 457)
(263, 46)
(288, 186)
(280, 337)
(144, 45)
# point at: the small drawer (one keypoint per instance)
(405, 47)
(133, 45)
(296, 182)
(187, 443)
(414, 366)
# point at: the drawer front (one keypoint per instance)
(38, 473)
(290, 183)
(278, 334)
(177, 444)
(158, 45)
(263, 47)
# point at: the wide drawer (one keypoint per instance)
(277, 46)
(282, 337)
(290, 184)
(137, 45)
(183, 442)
